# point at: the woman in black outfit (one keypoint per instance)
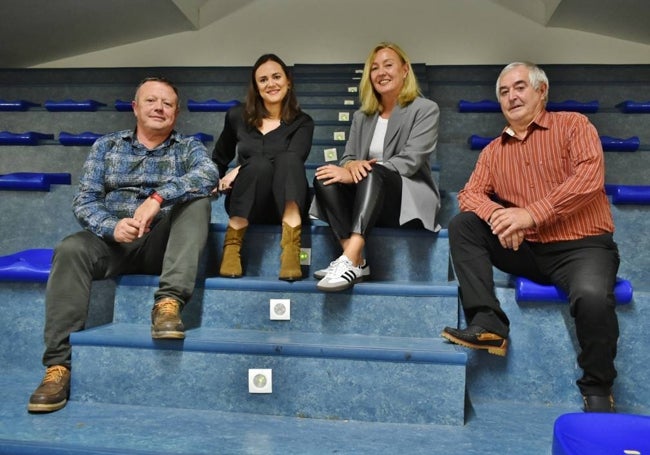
(272, 139)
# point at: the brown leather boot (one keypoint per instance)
(52, 394)
(231, 260)
(166, 320)
(290, 258)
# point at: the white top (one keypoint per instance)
(377, 143)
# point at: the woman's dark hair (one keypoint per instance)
(254, 110)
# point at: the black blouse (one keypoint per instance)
(237, 136)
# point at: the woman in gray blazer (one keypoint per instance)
(384, 177)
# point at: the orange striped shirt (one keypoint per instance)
(557, 173)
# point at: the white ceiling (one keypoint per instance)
(38, 31)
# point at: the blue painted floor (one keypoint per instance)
(491, 428)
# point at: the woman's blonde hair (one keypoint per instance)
(370, 99)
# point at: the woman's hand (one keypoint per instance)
(225, 183)
(331, 173)
(359, 169)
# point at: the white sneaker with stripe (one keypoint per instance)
(342, 275)
(365, 270)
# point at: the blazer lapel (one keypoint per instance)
(366, 136)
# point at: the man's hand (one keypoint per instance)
(509, 224)
(129, 229)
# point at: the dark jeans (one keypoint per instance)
(172, 249)
(376, 200)
(585, 269)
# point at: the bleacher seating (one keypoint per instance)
(368, 361)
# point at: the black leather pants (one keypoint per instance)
(357, 208)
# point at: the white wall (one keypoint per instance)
(436, 32)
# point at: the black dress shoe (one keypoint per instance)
(599, 403)
(477, 338)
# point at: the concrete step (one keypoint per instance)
(341, 377)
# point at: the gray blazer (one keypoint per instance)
(411, 138)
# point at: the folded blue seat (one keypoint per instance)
(203, 137)
(28, 265)
(477, 142)
(33, 181)
(123, 106)
(529, 291)
(629, 194)
(634, 107)
(72, 105)
(16, 105)
(493, 106)
(601, 434)
(210, 105)
(573, 106)
(614, 144)
(479, 106)
(26, 138)
(85, 138)
(610, 144)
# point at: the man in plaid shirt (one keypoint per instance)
(143, 201)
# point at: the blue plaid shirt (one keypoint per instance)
(120, 173)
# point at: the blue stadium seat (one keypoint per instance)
(28, 265)
(16, 105)
(634, 107)
(72, 105)
(478, 106)
(123, 106)
(210, 105)
(203, 137)
(601, 434)
(613, 144)
(493, 106)
(629, 194)
(574, 106)
(610, 144)
(26, 138)
(529, 291)
(33, 181)
(85, 138)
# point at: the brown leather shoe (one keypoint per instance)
(53, 392)
(476, 337)
(166, 320)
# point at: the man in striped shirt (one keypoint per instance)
(144, 206)
(535, 206)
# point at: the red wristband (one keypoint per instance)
(155, 196)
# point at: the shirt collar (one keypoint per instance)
(541, 121)
(130, 135)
